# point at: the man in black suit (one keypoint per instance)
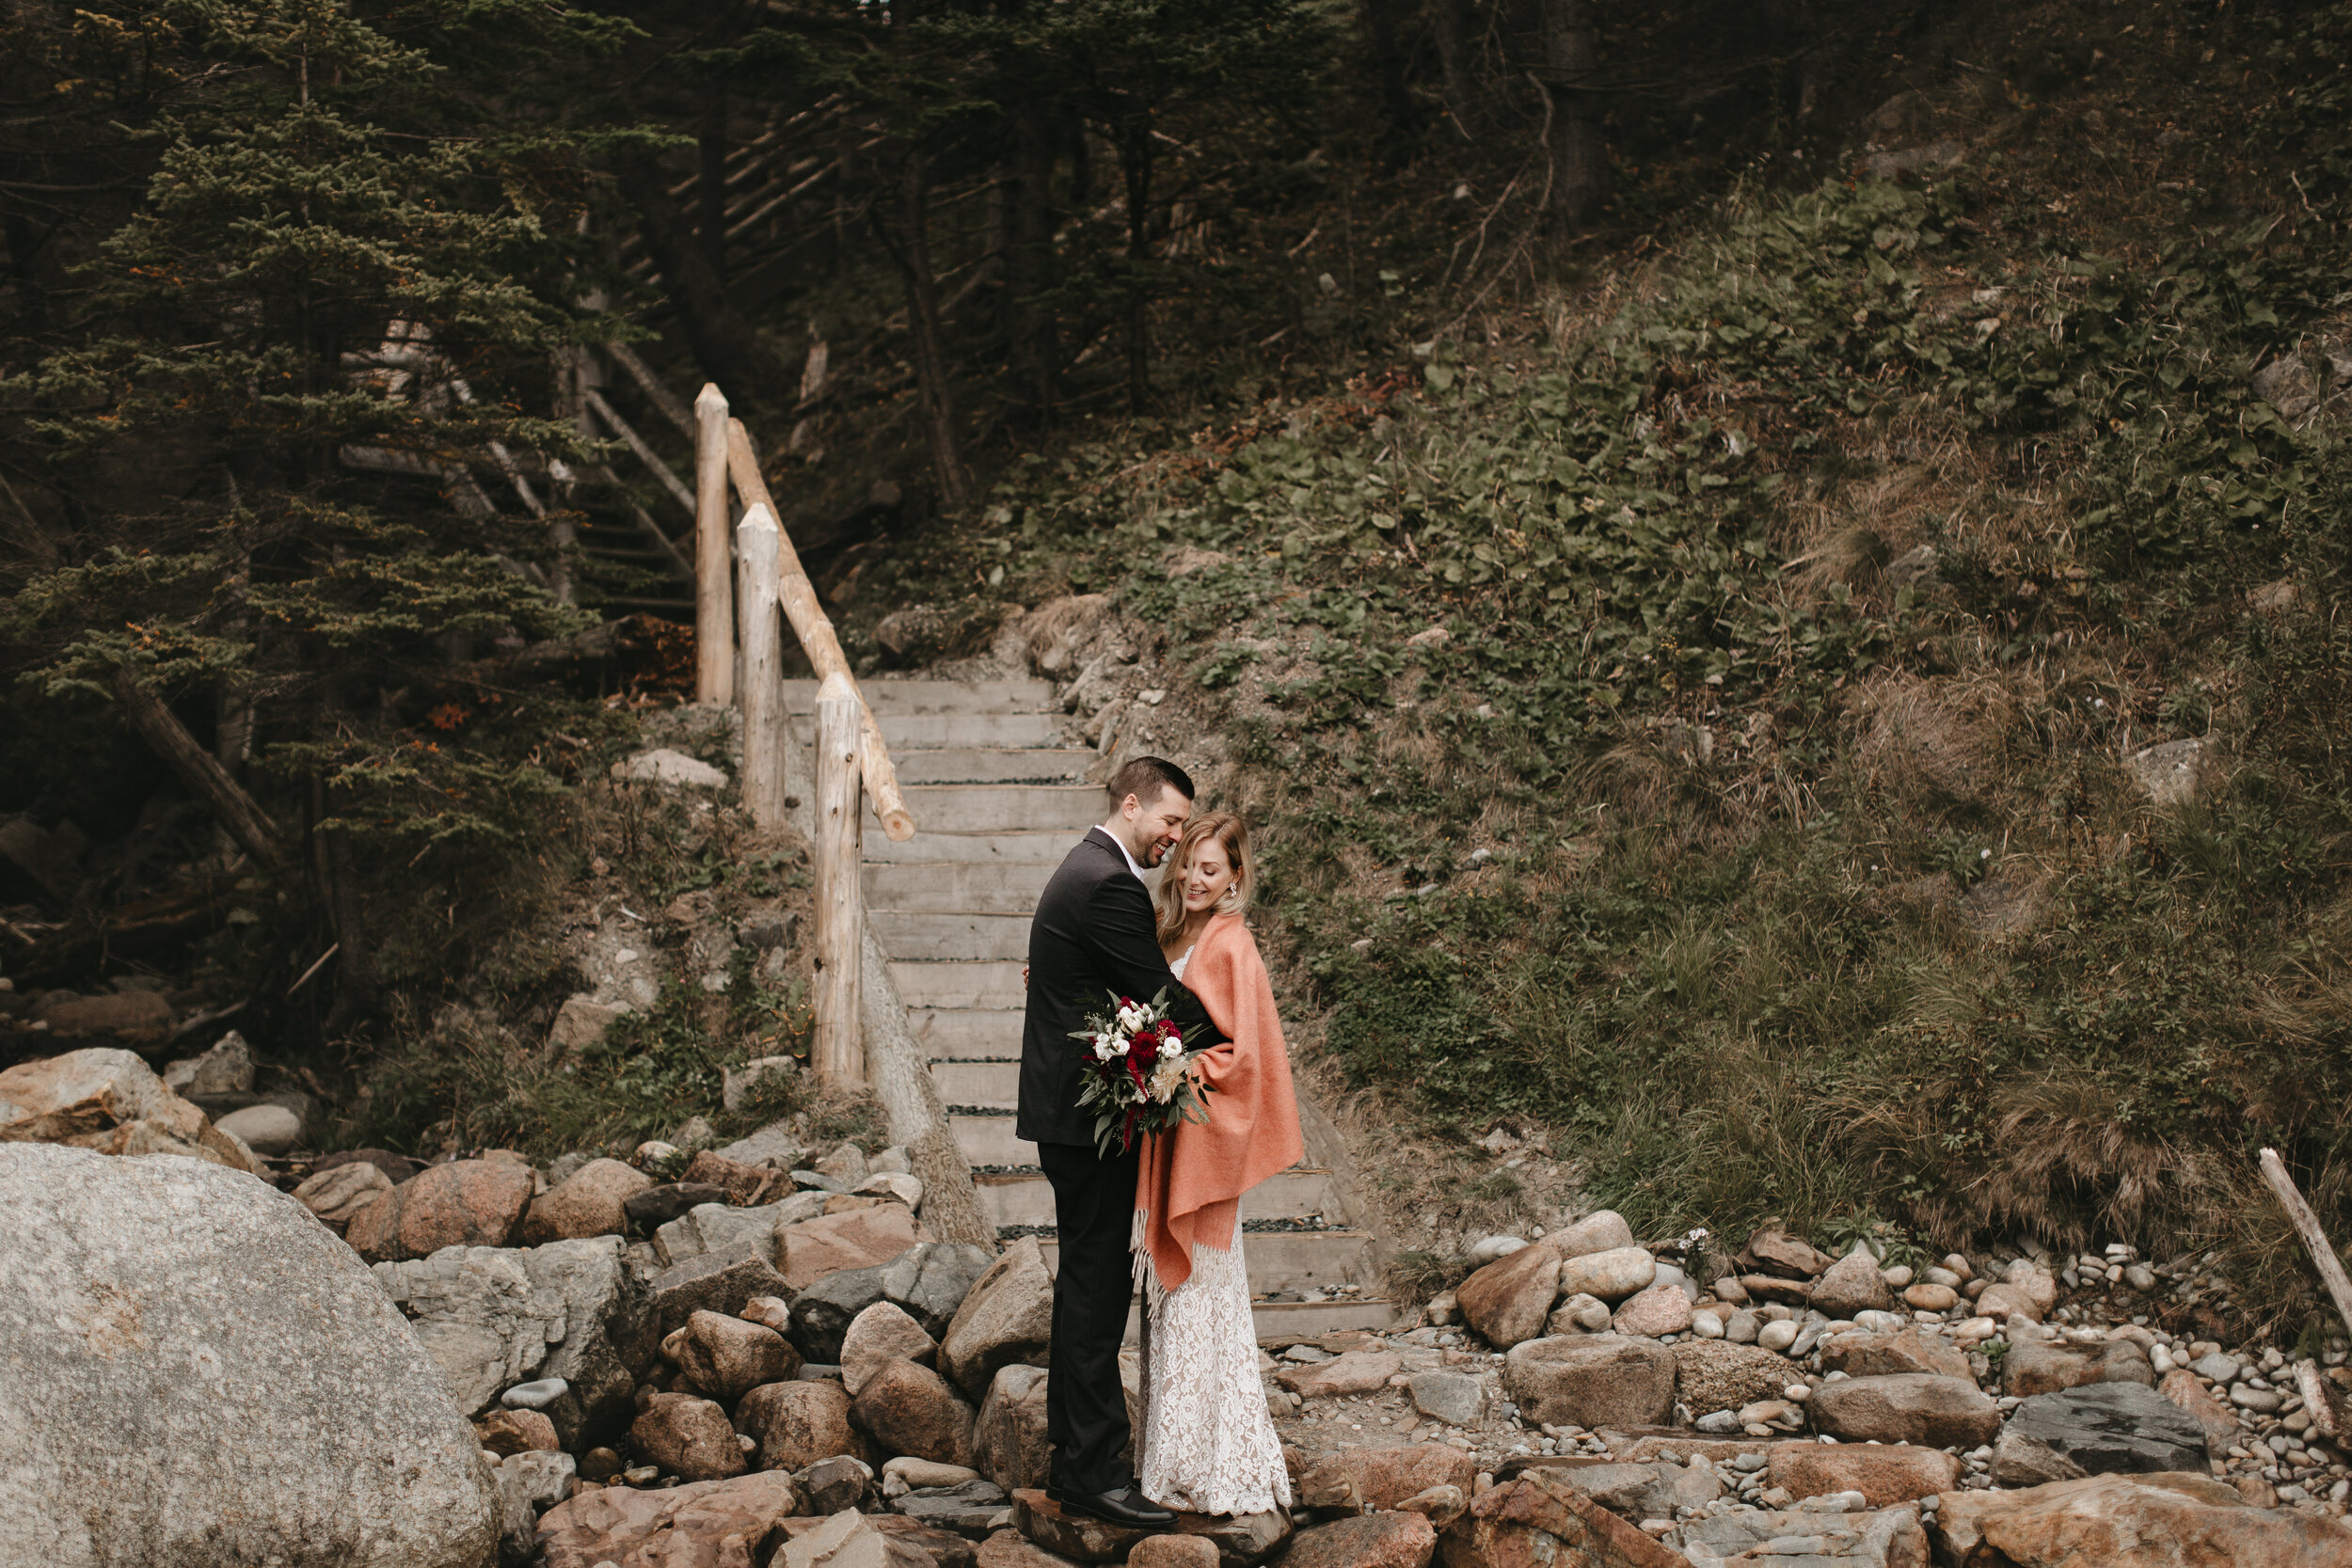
(1095, 935)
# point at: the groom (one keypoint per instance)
(1095, 935)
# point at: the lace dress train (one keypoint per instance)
(1208, 1443)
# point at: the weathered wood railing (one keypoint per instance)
(852, 762)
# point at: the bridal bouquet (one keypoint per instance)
(1137, 1075)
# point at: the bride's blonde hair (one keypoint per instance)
(1232, 832)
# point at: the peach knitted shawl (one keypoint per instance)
(1188, 1191)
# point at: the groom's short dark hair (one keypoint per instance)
(1146, 777)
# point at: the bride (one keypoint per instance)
(1208, 1443)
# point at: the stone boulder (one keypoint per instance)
(1659, 1311)
(338, 1196)
(1640, 1489)
(797, 1424)
(1458, 1398)
(821, 1314)
(746, 1185)
(1356, 1372)
(727, 1357)
(1859, 1352)
(1907, 1407)
(968, 1507)
(1604, 1230)
(491, 1317)
(880, 1335)
(651, 1208)
(833, 1485)
(1611, 1275)
(1542, 1519)
(859, 1238)
(1885, 1474)
(1508, 1300)
(1006, 1317)
(266, 1129)
(230, 1378)
(929, 1281)
(687, 1436)
(2219, 1422)
(505, 1432)
(1373, 1541)
(1008, 1444)
(1716, 1374)
(471, 1203)
(911, 1410)
(718, 1229)
(2109, 1426)
(1852, 1284)
(589, 1203)
(714, 1283)
(2115, 1521)
(1180, 1551)
(686, 1526)
(228, 1068)
(1776, 1252)
(1592, 1380)
(1886, 1538)
(1380, 1479)
(2050, 1366)
(111, 1103)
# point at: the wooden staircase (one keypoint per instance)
(999, 799)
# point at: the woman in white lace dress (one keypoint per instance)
(1208, 1444)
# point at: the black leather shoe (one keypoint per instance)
(1126, 1506)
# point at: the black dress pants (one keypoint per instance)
(1086, 1404)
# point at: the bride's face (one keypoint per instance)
(1207, 874)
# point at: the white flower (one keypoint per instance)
(1108, 1046)
(1130, 1020)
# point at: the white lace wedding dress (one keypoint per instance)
(1208, 1442)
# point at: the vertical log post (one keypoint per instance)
(840, 1053)
(2307, 1226)
(714, 610)
(761, 695)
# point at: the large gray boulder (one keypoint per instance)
(493, 1317)
(193, 1370)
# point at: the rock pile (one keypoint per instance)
(1804, 1408)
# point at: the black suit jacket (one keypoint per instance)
(1093, 934)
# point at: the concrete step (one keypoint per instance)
(992, 765)
(958, 887)
(951, 937)
(996, 1086)
(1293, 1195)
(927, 732)
(960, 986)
(1290, 1260)
(1005, 808)
(990, 1141)
(958, 1034)
(932, 845)
(920, 696)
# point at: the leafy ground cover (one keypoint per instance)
(1768, 819)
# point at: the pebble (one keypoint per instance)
(1778, 1336)
(535, 1396)
(2213, 1367)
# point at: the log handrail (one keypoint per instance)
(798, 597)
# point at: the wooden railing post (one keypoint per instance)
(761, 697)
(714, 610)
(839, 1051)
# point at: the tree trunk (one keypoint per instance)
(1388, 25)
(198, 769)
(1450, 24)
(710, 185)
(1029, 260)
(721, 338)
(1579, 160)
(1134, 167)
(338, 894)
(910, 247)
